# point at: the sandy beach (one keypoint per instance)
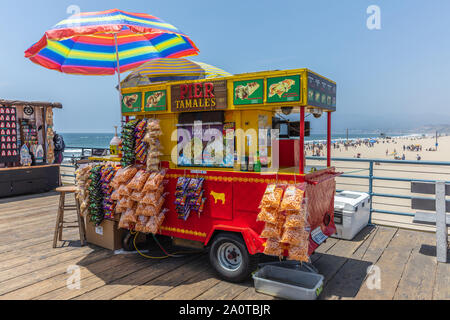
(399, 170)
(393, 146)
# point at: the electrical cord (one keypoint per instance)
(174, 255)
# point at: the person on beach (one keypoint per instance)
(59, 144)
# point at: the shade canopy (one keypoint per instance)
(85, 43)
(171, 69)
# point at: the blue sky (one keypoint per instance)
(396, 77)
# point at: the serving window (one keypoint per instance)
(205, 140)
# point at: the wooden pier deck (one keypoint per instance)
(31, 269)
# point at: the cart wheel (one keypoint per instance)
(127, 242)
(229, 257)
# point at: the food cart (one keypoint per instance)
(26, 147)
(241, 107)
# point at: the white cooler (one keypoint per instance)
(351, 213)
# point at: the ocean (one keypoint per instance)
(101, 140)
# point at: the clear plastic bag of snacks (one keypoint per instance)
(129, 216)
(136, 196)
(124, 190)
(272, 196)
(269, 215)
(140, 224)
(126, 202)
(124, 224)
(292, 236)
(272, 231)
(124, 175)
(154, 181)
(299, 252)
(139, 180)
(151, 197)
(295, 221)
(293, 197)
(115, 195)
(273, 248)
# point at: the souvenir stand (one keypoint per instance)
(224, 165)
(26, 147)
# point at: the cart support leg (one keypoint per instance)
(301, 168)
(328, 139)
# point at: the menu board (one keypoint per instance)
(321, 92)
(8, 135)
(248, 92)
(155, 100)
(283, 89)
(131, 102)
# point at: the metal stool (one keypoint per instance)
(60, 216)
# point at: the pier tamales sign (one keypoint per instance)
(199, 96)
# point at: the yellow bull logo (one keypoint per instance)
(218, 196)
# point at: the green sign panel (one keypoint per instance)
(248, 91)
(283, 89)
(321, 92)
(155, 100)
(131, 102)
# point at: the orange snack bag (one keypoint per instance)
(293, 198)
(272, 196)
(272, 231)
(273, 248)
(292, 236)
(139, 180)
(269, 215)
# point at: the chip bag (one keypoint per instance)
(272, 196)
(293, 198)
(269, 215)
(139, 180)
(273, 248)
(292, 236)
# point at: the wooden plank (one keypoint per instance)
(45, 263)
(427, 204)
(167, 281)
(46, 273)
(427, 188)
(152, 270)
(391, 265)
(349, 279)
(224, 291)
(330, 263)
(441, 290)
(95, 269)
(418, 278)
(191, 288)
(324, 247)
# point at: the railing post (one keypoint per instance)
(441, 225)
(370, 190)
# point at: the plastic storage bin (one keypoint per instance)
(351, 213)
(288, 283)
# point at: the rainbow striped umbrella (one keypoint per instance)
(171, 69)
(102, 43)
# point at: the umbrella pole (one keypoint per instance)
(118, 75)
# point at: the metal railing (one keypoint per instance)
(359, 175)
(365, 173)
(85, 153)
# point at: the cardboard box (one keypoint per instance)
(106, 235)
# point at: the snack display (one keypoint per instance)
(189, 197)
(293, 197)
(139, 180)
(109, 204)
(82, 182)
(95, 196)
(128, 143)
(151, 138)
(273, 248)
(272, 196)
(269, 215)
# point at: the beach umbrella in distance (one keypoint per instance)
(108, 42)
(171, 69)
